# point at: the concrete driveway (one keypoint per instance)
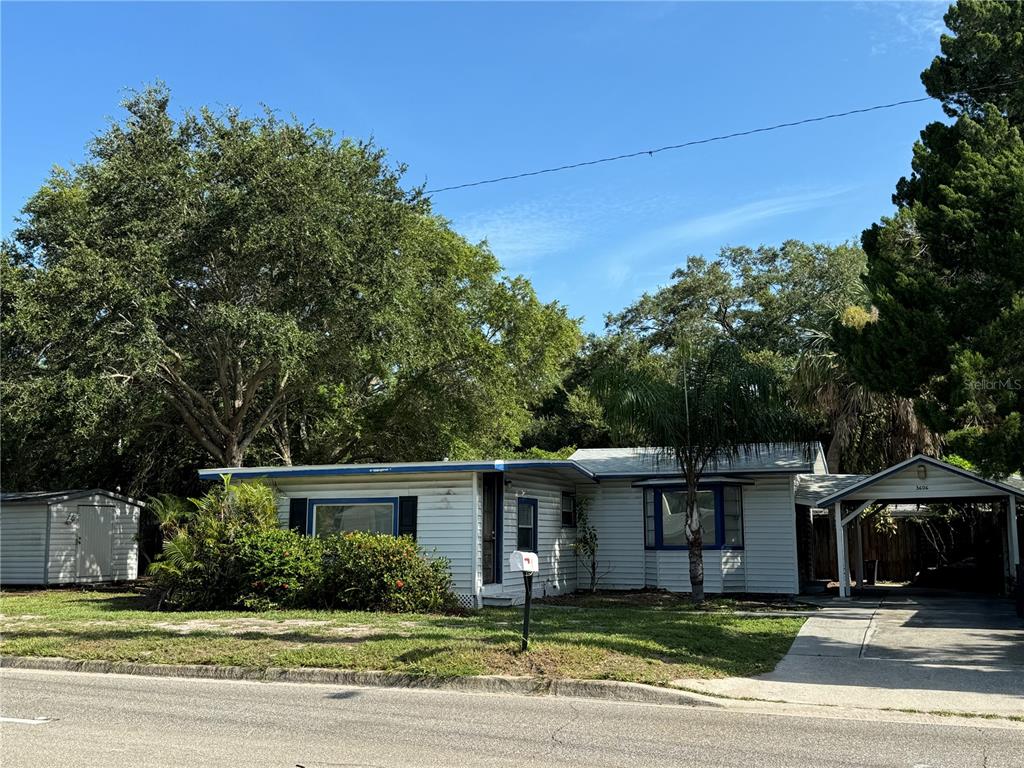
(958, 654)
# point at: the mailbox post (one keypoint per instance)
(527, 564)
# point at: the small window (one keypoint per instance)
(649, 517)
(526, 525)
(732, 501)
(342, 517)
(568, 510)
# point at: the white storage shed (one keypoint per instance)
(68, 537)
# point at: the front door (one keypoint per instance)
(95, 531)
(490, 529)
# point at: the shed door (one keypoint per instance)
(95, 532)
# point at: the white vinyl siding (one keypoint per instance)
(734, 577)
(44, 543)
(938, 483)
(769, 533)
(554, 542)
(616, 511)
(767, 563)
(444, 515)
(23, 544)
(121, 525)
(125, 548)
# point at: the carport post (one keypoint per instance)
(858, 564)
(841, 561)
(1011, 532)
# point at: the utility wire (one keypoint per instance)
(695, 142)
(723, 137)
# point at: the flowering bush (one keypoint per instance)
(366, 571)
(274, 566)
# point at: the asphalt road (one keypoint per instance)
(113, 720)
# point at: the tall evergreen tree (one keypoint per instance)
(946, 271)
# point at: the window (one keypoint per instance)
(649, 528)
(673, 517)
(720, 509)
(732, 503)
(347, 515)
(526, 525)
(568, 510)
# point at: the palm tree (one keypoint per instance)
(698, 404)
(869, 429)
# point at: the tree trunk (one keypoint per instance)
(593, 573)
(232, 453)
(697, 568)
(695, 541)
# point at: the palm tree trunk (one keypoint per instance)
(695, 542)
(697, 569)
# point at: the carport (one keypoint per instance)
(918, 480)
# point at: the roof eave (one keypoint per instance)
(838, 496)
(379, 469)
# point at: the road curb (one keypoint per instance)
(524, 686)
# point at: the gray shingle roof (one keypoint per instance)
(634, 462)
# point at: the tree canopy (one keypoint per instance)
(254, 287)
(702, 398)
(763, 298)
(946, 271)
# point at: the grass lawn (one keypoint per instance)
(656, 642)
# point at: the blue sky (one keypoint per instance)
(465, 91)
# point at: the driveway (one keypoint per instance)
(958, 654)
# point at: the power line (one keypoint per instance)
(695, 142)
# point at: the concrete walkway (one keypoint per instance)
(960, 654)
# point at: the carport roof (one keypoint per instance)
(810, 488)
(836, 488)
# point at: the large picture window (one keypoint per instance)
(349, 515)
(673, 517)
(721, 517)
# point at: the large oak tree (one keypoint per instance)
(260, 289)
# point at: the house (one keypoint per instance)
(476, 513)
(68, 537)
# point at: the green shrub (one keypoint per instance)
(200, 567)
(374, 572)
(274, 567)
(228, 551)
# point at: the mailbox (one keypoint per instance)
(523, 562)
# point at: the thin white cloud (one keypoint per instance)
(520, 234)
(694, 230)
(523, 233)
(915, 25)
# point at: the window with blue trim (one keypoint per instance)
(329, 516)
(720, 508)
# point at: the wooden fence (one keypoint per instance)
(906, 551)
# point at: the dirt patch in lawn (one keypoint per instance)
(269, 627)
